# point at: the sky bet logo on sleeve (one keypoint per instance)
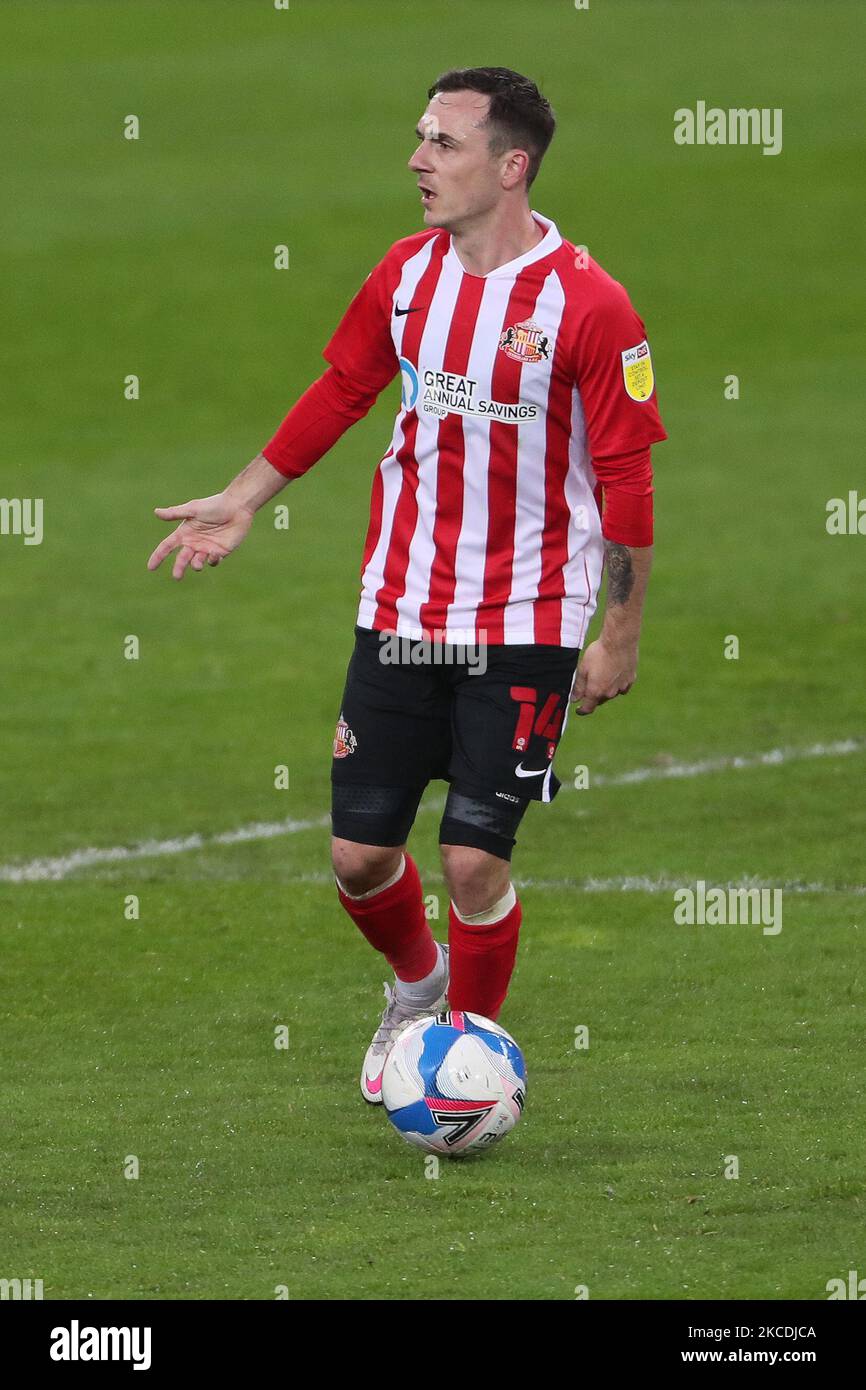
(637, 371)
(450, 393)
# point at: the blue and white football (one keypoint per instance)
(454, 1083)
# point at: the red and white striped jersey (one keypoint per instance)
(484, 524)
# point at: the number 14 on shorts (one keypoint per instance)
(546, 723)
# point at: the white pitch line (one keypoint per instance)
(45, 870)
(622, 883)
(775, 758)
(639, 883)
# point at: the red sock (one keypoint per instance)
(393, 922)
(482, 959)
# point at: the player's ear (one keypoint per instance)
(515, 167)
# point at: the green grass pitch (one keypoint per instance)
(153, 1037)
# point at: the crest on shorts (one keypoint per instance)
(637, 372)
(344, 740)
(525, 342)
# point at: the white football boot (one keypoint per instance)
(395, 1017)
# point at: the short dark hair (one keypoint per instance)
(518, 115)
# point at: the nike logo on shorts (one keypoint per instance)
(520, 771)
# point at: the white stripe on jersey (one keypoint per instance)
(374, 573)
(582, 571)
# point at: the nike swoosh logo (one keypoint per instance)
(520, 771)
(413, 309)
(373, 1086)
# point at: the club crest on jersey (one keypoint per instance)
(344, 740)
(525, 342)
(637, 371)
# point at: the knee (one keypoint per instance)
(476, 880)
(360, 868)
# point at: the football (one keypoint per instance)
(454, 1083)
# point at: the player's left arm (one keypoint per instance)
(608, 666)
(614, 375)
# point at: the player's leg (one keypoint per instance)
(391, 724)
(477, 835)
(360, 868)
(379, 887)
(507, 721)
(390, 914)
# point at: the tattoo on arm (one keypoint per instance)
(620, 574)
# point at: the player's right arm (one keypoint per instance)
(362, 362)
(212, 527)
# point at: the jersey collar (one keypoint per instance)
(549, 243)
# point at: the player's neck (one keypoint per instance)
(485, 247)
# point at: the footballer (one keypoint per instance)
(518, 468)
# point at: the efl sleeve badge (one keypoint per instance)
(637, 371)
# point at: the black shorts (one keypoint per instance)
(488, 722)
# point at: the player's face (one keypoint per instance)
(458, 177)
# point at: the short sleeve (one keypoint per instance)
(362, 347)
(615, 376)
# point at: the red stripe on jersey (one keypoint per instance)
(450, 462)
(406, 511)
(502, 468)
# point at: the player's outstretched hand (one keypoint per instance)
(604, 672)
(210, 528)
